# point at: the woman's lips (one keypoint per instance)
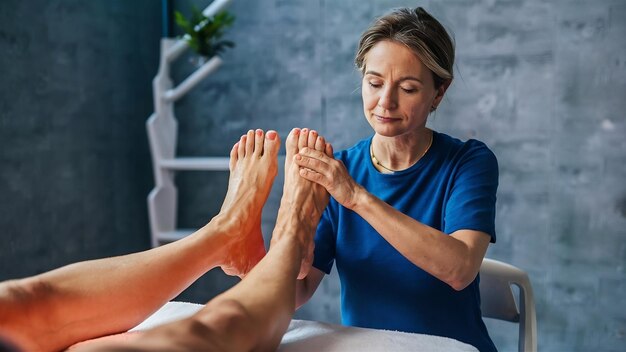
(385, 119)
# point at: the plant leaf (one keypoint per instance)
(204, 33)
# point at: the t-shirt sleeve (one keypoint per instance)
(325, 243)
(472, 201)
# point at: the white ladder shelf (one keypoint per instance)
(162, 129)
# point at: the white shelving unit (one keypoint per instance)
(162, 134)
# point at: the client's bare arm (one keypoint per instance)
(56, 309)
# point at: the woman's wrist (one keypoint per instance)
(359, 199)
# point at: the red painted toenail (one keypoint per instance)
(259, 132)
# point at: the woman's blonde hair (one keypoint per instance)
(420, 32)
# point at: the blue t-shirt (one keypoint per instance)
(452, 187)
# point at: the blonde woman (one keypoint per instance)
(412, 210)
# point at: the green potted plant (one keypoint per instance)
(203, 34)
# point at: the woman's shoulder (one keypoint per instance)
(455, 147)
(354, 152)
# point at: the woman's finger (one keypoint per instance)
(316, 154)
(314, 176)
(311, 163)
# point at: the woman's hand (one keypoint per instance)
(330, 173)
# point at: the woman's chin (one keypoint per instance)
(387, 131)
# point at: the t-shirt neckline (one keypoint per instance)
(418, 165)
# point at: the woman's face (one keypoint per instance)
(397, 89)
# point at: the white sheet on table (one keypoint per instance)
(170, 312)
(305, 336)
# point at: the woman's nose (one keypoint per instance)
(387, 99)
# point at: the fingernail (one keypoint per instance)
(298, 157)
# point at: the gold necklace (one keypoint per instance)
(377, 162)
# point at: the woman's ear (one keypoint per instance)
(441, 91)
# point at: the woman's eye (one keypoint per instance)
(374, 85)
(409, 90)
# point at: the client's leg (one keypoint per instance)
(94, 298)
(254, 314)
(297, 140)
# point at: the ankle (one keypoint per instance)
(225, 224)
(293, 224)
(287, 239)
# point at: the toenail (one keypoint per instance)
(259, 132)
(271, 135)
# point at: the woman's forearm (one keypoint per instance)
(450, 258)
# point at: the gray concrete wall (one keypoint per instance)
(74, 162)
(542, 83)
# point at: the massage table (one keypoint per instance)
(312, 336)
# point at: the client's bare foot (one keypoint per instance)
(303, 201)
(253, 167)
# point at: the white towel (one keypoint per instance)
(312, 336)
(170, 312)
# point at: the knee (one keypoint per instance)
(229, 325)
(23, 295)
(227, 316)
